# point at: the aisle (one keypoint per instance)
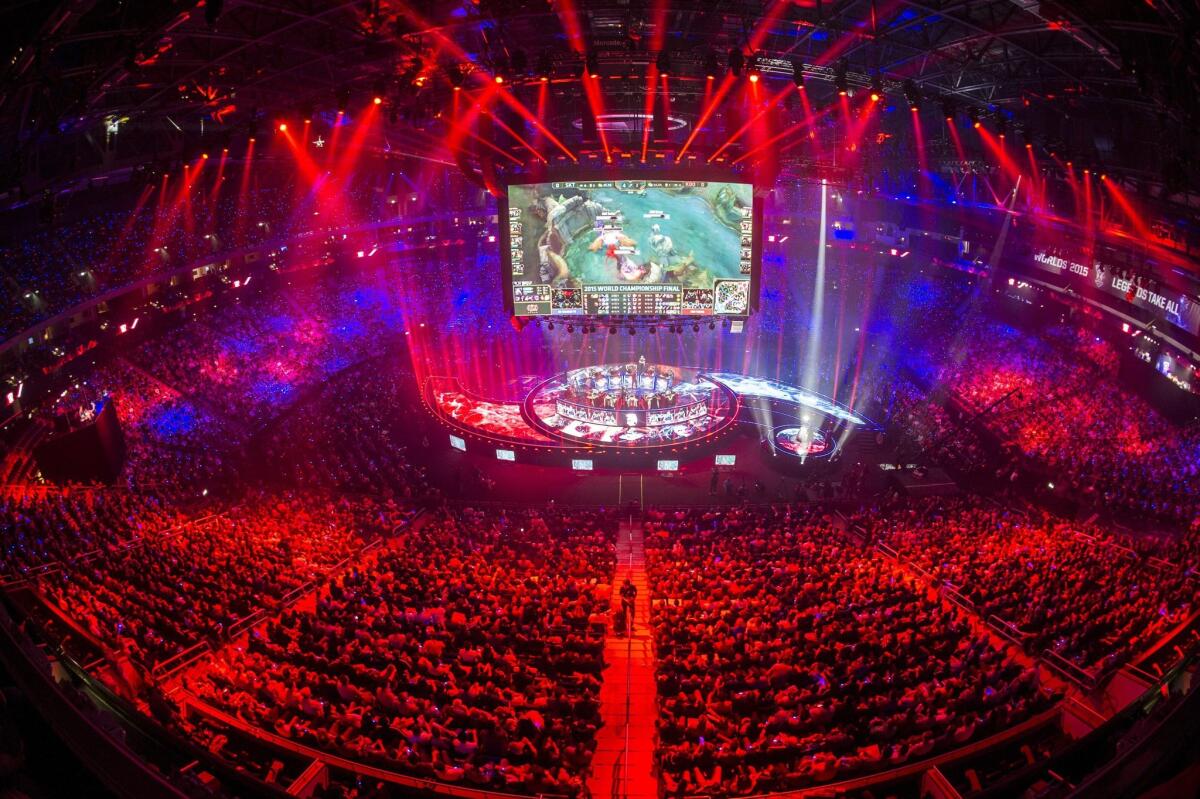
(624, 762)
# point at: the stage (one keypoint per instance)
(631, 405)
(612, 432)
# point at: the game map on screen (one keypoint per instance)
(631, 247)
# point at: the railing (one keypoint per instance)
(855, 786)
(194, 704)
(887, 551)
(858, 534)
(83, 729)
(1008, 630)
(1077, 675)
(166, 668)
(951, 593)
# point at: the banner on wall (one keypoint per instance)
(1170, 305)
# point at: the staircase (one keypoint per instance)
(624, 762)
(17, 465)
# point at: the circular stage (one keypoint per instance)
(801, 441)
(630, 405)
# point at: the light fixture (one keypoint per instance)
(736, 61)
(798, 73)
(711, 65)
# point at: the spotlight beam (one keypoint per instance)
(520, 139)
(450, 46)
(1126, 206)
(812, 358)
(804, 124)
(722, 90)
(648, 107)
(591, 88)
(525, 113)
(756, 39)
(766, 108)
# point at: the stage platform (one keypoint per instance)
(639, 412)
(934, 482)
(631, 406)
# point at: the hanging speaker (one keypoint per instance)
(660, 130)
(589, 123)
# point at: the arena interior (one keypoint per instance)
(647, 399)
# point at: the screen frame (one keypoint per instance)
(758, 198)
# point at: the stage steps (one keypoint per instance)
(17, 465)
(624, 761)
(861, 446)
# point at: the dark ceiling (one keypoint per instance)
(1116, 80)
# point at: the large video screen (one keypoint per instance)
(632, 247)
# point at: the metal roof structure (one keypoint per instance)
(1114, 81)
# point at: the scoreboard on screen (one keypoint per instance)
(631, 247)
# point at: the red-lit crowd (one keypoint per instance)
(789, 657)
(469, 650)
(1063, 587)
(196, 582)
(370, 449)
(1057, 407)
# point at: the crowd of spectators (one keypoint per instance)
(171, 439)
(191, 400)
(788, 657)
(63, 253)
(255, 358)
(45, 526)
(1055, 403)
(925, 430)
(1084, 597)
(165, 593)
(369, 449)
(469, 651)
